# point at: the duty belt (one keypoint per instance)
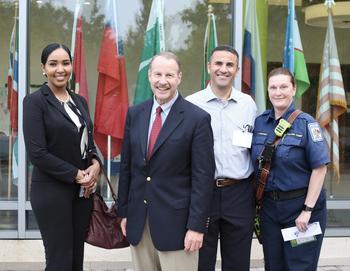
(284, 195)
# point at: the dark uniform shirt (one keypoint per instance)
(301, 149)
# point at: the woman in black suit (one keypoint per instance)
(58, 136)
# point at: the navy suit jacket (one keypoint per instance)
(174, 188)
(51, 137)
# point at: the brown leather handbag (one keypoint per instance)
(104, 230)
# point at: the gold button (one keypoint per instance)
(145, 201)
(148, 179)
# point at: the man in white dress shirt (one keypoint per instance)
(232, 207)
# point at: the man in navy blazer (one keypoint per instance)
(164, 196)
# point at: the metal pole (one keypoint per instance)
(237, 36)
(23, 70)
(109, 165)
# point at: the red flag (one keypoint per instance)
(112, 94)
(79, 67)
(12, 79)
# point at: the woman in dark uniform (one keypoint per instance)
(293, 194)
(58, 137)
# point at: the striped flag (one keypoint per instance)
(293, 56)
(12, 103)
(153, 44)
(331, 102)
(12, 78)
(79, 80)
(252, 72)
(112, 88)
(210, 42)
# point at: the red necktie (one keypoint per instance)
(157, 125)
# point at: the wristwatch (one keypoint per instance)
(307, 208)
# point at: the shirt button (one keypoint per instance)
(145, 201)
(148, 179)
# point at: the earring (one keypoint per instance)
(44, 74)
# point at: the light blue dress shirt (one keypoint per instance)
(237, 114)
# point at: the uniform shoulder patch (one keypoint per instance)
(315, 132)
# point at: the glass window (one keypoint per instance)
(8, 101)
(31, 221)
(8, 220)
(338, 218)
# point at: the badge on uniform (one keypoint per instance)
(315, 132)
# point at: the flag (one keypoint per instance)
(112, 89)
(293, 55)
(331, 102)
(79, 82)
(12, 104)
(153, 44)
(210, 42)
(12, 78)
(252, 72)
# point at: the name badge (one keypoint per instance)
(242, 138)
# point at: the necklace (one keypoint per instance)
(63, 101)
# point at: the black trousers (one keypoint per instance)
(231, 220)
(63, 219)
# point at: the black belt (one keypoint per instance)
(284, 195)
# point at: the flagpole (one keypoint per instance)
(9, 172)
(329, 4)
(108, 164)
(75, 20)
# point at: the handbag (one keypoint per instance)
(104, 230)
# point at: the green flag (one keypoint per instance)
(210, 42)
(153, 44)
(293, 56)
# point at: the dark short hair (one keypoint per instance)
(227, 48)
(283, 71)
(167, 55)
(52, 47)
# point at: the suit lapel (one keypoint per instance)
(144, 125)
(50, 97)
(173, 120)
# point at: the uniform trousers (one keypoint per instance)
(231, 220)
(63, 219)
(280, 255)
(146, 257)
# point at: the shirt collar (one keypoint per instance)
(285, 115)
(166, 106)
(209, 94)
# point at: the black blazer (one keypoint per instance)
(51, 138)
(174, 187)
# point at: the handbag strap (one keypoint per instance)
(114, 196)
(265, 170)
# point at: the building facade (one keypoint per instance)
(48, 21)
